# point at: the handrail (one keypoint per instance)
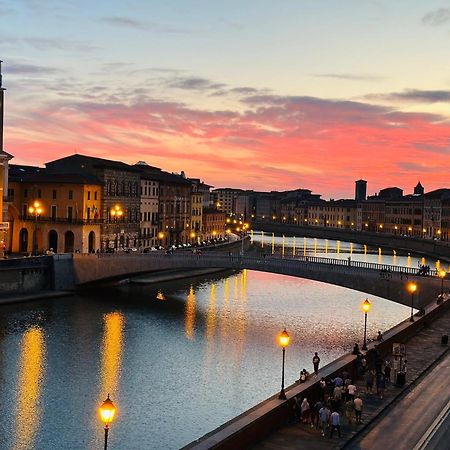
(219, 257)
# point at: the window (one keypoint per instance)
(89, 195)
(54, 194)
(39, 193)
(24, 211)
(25, 193)
(53, 212)
(69, 213)
(95, 195)
(70, 195)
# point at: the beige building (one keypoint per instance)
(213, 223)
(149, 210)
(334, 214)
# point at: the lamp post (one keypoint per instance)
(365, 306)
(35, 209)
(107, 412)
(160, 237)
(412, 287)
(442, 274)
(283, 341)
(117, 213)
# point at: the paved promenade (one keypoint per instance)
(422, 352)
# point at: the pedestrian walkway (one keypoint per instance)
(422, 351)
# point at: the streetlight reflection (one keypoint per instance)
(31, 374)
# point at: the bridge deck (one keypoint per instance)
(383, 280)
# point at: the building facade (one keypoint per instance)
(149, 210)
(120, 194)
(213, 223)
(49, 211)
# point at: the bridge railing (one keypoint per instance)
(221, 257)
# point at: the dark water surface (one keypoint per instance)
(178, 359)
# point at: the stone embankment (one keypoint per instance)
(273, 414)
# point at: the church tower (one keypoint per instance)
(419, 190)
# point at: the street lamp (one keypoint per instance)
(412, 287)
(35, 209)
(107, 412)
(116, 213)
(442, 274)
(283, 341)
(365, 306)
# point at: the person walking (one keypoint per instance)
(335, 423)
(381, 385)
(316, 416)
(358, 404)
(316, 362)
(305, 410)
(351, 391)
(349, 410)
(324, 417)
(369, 381)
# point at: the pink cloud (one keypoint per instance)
(268, 142)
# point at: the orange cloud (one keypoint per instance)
(267, 142)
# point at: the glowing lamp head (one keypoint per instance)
(366, 306)
(107, 411)
(283, 339)
(31, 210)
(412, 287)
(192, 235)
(160, 235)
(442, 273)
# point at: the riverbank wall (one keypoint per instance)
(25, 275)
(402, 244)
(253, 425)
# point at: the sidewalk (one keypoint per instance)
(422, 351)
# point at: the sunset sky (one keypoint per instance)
(257, 94)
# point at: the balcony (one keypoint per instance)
(61, 220)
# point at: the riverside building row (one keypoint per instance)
(87, 204)
(420, 214)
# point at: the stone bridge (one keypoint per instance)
(78, 270)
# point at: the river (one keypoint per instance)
(178, 359)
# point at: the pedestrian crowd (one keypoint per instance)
(339, 397)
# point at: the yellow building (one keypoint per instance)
(58, 212)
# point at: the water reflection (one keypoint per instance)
(112, 348)
(211, 317)
(189, 318)
(31, 374)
